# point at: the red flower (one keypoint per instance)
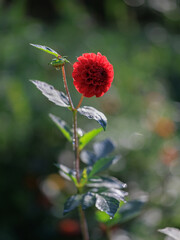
(92, 74)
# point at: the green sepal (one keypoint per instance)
(63, 127)
(58, 62)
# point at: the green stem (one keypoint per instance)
(108, 234)
(79, 104)
(76, 146)
(66, 87)
(84, 226)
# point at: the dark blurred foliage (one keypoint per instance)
(142, 41)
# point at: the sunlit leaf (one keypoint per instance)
(55, 96)
(72, 202)
(103, 217)
(93, 113)
(108, 182)
(46, 49)
(62, 125)
(118, 194)
(88, 200)
(87, 137)
(104, 199)
(108, 200)
(171, 232)
(126, 212)
(107, 204)
(101, 165)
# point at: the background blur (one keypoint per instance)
(141, 38)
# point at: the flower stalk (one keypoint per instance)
(66, 87)
(76, 145)
(79, 104)
(108, 234)
(84, 226)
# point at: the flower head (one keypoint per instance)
(92, 74)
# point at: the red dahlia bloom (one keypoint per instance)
(92, 74)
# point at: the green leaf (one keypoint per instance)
(67, 173)
(101, 165)
(72, 202)
(46, 49)
(103, 217)
(62, 125)
(118, 194)
(93, 113)
(101, 149)
(127, 212)
(88, 200)
(107, 204)
(55, 96)
(87, 137)
(107, 182)
(130, 210)
(171, 232)
(108, 200)
(88, 157)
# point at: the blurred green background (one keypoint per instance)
(141, 38)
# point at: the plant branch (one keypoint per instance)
(108, 234)
(76, 146)
(76, 149)
(84, 227)
(79, 104)
(66, 87)
(83, 224)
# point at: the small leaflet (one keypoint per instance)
(62, 125)
(46, 49)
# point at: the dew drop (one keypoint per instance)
(124, 185)
(73, 143)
